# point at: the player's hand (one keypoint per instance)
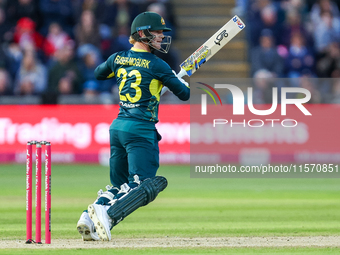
(181, 79)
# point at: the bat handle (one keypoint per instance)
(182, 73)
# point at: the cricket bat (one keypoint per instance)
(210, 47)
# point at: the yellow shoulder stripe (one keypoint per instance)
(110, 75)
(138, 50)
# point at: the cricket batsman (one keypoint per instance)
(134, 139)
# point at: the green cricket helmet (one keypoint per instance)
(150, 21)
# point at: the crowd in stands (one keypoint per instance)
(50, 48)
(298, 39)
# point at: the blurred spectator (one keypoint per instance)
(119, 13)
(17, 9)
(119, 16)
(96, 6)
(13, 57)
(5, 27)
(266, 16)
(293, 24)
(56, 39)
(89, 48)
(88, 64)
(87, 30)
(241, 7)
(266, 57)
(322, 6)
(298, 6)
(90, 89)
(26, 35)
(5, 83)
(59, 11)
(92, 95)
(300, 59)
(262, 93)
(117, 43)
(329, 61)
(4, 63)
(65, 86)
(326, 31)
(31, 77)
(64, 76)
(5, 36)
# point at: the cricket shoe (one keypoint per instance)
(102, 221)
(85, 227)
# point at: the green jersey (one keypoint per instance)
(140, 76)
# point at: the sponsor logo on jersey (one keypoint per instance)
(127, 105)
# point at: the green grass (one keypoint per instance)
(187, 208)
(215, 251)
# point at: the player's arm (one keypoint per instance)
(104, 71)
(176, 85)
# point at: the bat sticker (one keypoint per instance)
(195, 60)
(220, 37)
(238, 22)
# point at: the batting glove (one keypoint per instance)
(181, 79)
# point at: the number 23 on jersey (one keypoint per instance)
(154, 86)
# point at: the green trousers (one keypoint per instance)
(134, 150)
